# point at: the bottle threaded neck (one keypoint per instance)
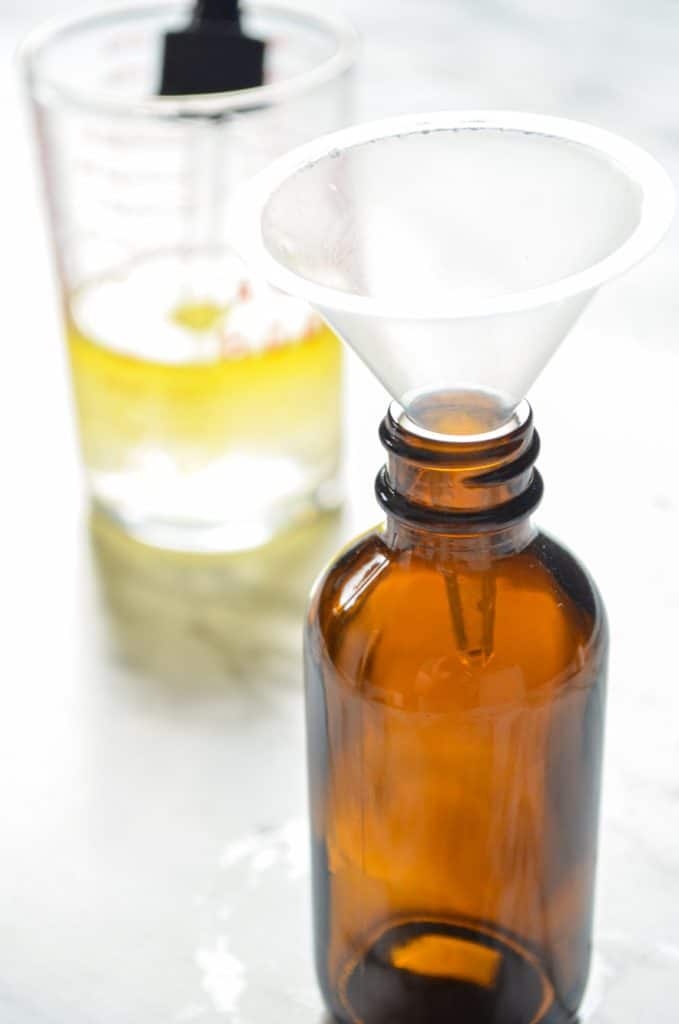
(459, 484)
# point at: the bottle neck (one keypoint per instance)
(473, 495)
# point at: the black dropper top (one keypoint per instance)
(211, 54)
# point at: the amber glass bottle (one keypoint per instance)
(455, 664)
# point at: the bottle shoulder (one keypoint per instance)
(368, 566)
(536, 611)
(568, 574)
(353, 572)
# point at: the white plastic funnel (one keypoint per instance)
(454, 251)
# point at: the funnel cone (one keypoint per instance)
(452, 251)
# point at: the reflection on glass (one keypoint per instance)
(197, 623)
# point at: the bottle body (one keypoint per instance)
(455, 697)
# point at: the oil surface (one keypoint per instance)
(126, 399)
(202, 406)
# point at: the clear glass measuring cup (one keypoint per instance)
(207, 402)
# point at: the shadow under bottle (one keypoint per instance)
(455, 663)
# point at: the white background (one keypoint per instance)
(151, 767)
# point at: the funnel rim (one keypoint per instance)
(657, 209)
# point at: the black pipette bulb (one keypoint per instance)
(212, 54)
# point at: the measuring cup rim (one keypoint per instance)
(212, 105)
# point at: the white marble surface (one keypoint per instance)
(152, 859)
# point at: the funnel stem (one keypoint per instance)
(471, 599)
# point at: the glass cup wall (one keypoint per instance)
(208, 403)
